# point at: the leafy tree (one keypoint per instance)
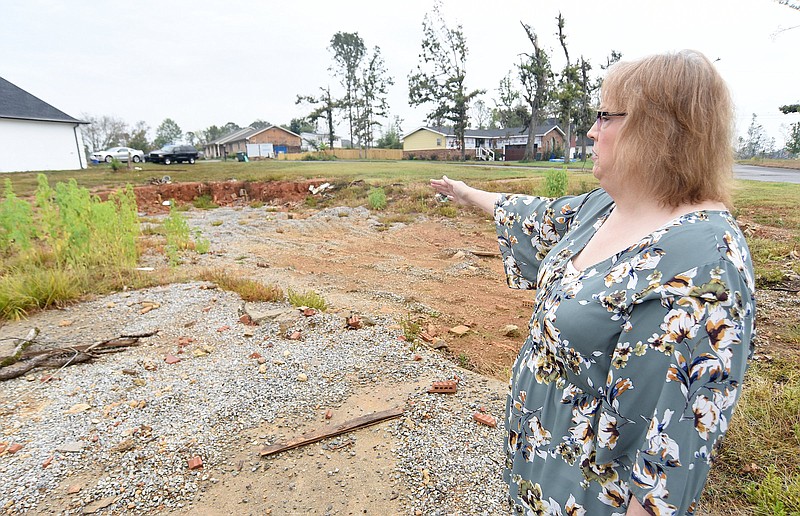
(509, 112)
(325, 105)
(137, 137)
(371, 103)
(391, 137)
(103, 132)
(756, 144)
(791, 108)
(168, 132)
(793, 139)
(211, 133)
(259, 124)
(536, 76)
(348, 52)
(230, 127)
(300, 125)
(440, 76)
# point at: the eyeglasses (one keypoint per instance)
(603, 116)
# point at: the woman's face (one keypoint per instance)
(604, 133)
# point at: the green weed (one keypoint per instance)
(309, 298)
(204, 202)
(377, 199)
(555, 183)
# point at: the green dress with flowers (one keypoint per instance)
(632, 367)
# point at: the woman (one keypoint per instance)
(644, 310)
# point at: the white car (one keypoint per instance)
(121, 153)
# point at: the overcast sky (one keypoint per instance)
(201, 62)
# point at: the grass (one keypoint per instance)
(308, 299)
(248, 290)
(758, 457)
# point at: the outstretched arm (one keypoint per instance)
(461, 193)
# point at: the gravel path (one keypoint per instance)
(123, 428)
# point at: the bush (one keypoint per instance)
(556, 183)
(116, 164)
(377, 199)
(204, 202)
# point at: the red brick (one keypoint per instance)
(47, 462)
(445, 387)
(485, 419)
(255, 354)
(417, 358)
(195, 463)
(308, 312)
(171, 359)
(328, 414)
(14, 448)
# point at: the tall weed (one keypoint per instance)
(555, 183)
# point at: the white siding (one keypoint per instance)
(27, 145)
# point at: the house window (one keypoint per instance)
(438, 142)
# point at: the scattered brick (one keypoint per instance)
(427, 337)
(328, 414)
(74, 488)
(308, 312)
(47, 461)
(195, 463)
(445, 387)
(417, 358)
(246, 319)
(485, 419)
(295, 335)
(223, 328)
(354, 322)
(171, 359)
(14, 448)
(255, 354)
(401, 337)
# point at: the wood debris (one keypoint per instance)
(318, 435)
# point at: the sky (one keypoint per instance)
(204, 63)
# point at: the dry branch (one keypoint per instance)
(21, 363)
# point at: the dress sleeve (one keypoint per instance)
(674, 378)
(527, 228)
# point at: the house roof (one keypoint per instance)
(270, 127)
(18, 103)
(231, 136)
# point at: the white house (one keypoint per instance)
(36, 136)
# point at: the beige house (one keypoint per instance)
(483, 144)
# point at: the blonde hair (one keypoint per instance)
(677, 136)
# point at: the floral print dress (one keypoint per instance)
(632, 367)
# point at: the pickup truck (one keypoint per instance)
(173, 154)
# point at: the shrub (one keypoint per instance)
(204, 202)
(377, 199)
(555, 184)
(116, 164)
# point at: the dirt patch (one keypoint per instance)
(150, 198)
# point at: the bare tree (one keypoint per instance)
(536, 77)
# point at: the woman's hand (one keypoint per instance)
(460, 193)
(453, 190)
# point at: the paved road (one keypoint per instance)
(778, 175)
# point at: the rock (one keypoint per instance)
(71, 447)
(510, 330)
(459, 255)
(100, 504)
(302, 377)
(258, 316)
(459, 330)
(78, 407)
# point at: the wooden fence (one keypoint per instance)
(389, 154)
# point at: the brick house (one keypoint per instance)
(282, 140)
